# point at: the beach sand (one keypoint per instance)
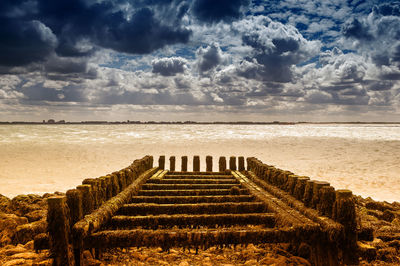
(368, 168)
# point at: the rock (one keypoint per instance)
(25, 255)
(15, 262)
(27, 232)
(366, 251)
(388, 215)
(250, 262)
(4, 203)
(29, 245)
(184, 263)
(304, 250)
(14, 250)
(299, 261)
(396, 222)
(23, 204)
(47, 262)
(36, 215)
(8, 226)
(87, 255)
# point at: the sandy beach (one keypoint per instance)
(367, 167)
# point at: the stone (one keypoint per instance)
(184, 263)
(4, 203)
(14, 250)
(36, 215)
(30, 245)
(250, 262)
(25, 256)
(15, 262)
(26, 232)
(8, 227)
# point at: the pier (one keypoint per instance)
(237, 202)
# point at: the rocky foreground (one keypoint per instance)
(24, 217)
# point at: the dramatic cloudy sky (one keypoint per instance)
(204, 60)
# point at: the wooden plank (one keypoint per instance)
(189, 192)
(191, 199)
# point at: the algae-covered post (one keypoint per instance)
(172, 163)
(58, 220)
(184, 163)
(232, 163)
(344, 212)
(87, 198)
(241, 163)
(222, 164)
(209, 163)
(74, 201)
(161, 162)
(196, 163)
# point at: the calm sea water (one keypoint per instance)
(46, 158)
(49, 134)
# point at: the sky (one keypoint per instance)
(201, 60)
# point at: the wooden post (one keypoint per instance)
(241, 164)
(308, 192)
(115, 185)
(172, 163)
(327, 199)
(232, 163)
(87, 198)
(58, 220)
(196, 163)
(184, 163)
(209, 163)
(94, 183)
(161, 162)
(344, 212)
(316, 192)
(222, 164)
(74, 201)
(298, 192)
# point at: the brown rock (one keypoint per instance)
(14, 250)
(8, 226)
(25, 256)
(251, 262)
(15, 262)
(4, 203)
(27, 232)
(184, 263)
(36, 215)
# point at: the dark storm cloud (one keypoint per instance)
(222, 10)
(169, 66)
(24, 42)
(31, 30)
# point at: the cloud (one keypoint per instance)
(169, 66)
(24, 42)
(209, 57)
(276, 47)
(223, 10)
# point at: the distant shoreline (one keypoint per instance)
(189, 123)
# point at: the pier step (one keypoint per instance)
(191, 199)
(199, 208)
(187, 186)
(188, 237)
(192, 221)
(190, 192)
(197, 176)
(193, 181)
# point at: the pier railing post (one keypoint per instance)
(209, 163)
(58, 220)
(196, 163)
(161, 162)
(232, 163)
(344, 212)
(222, 164)
(172, 163)
(184, 163)
(241, 163)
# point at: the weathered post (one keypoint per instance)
(232, 163)
(316, 192)
(308, 192)
(87, 198)
(298, 192)
(58, 220)
(241, 164)
(172, 163)
(344, 212)
(209, 163)
(222, 164)
(161, 162)
(94, 183)
(196, 163)
(184, 163)
(326, 200)
(74, 202)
